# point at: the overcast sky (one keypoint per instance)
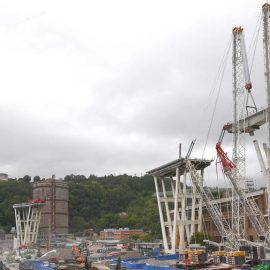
(101, 87)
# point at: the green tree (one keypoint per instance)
(26, 179)
(36, 178)
(134, 237)
(12, 192)
(96, 202)
(78, 224)
(147, 237)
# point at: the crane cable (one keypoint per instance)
(218, 84)
(254, 41)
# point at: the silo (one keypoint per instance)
(54, 218)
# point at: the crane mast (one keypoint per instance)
(241, 80)
(235, 170)
(266, 45)
(243, 104)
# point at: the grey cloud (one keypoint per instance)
(92, 94)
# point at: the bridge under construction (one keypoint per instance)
(184, 200)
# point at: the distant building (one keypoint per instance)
(118, 234)
(54, 217)
(3, 176)
(9, 237)
(91, 234)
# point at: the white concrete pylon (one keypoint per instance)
(27, 217)
(180, 210)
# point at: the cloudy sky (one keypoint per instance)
(101, 87)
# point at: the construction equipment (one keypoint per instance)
(252, 210)
(230, 239)
(81, 253)
(243, 105)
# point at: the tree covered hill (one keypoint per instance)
(94, 202)
(12, 192)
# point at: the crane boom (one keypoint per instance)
(214, 210)
(248, 84)
(252, 210)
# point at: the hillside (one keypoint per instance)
(94, 202)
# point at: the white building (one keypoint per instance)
(3, 176)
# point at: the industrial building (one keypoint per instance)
(54, 218)
(118, 234)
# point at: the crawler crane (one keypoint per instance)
(230, 239)
(252, 210)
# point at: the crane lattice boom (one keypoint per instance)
(213, 209)
(252, 210)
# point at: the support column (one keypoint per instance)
(37, 227)
(17, 227)
(183, 213)
(200, 205)
(178, 215)
(27, 216)
(176, 210)
(26, 227)
(167, 208)
(165, 242)
(193, 229)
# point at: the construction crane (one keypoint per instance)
(251, 208)
(243, 101)
(230, 239)
(266, 45)
(243, 104)
(252, 122)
